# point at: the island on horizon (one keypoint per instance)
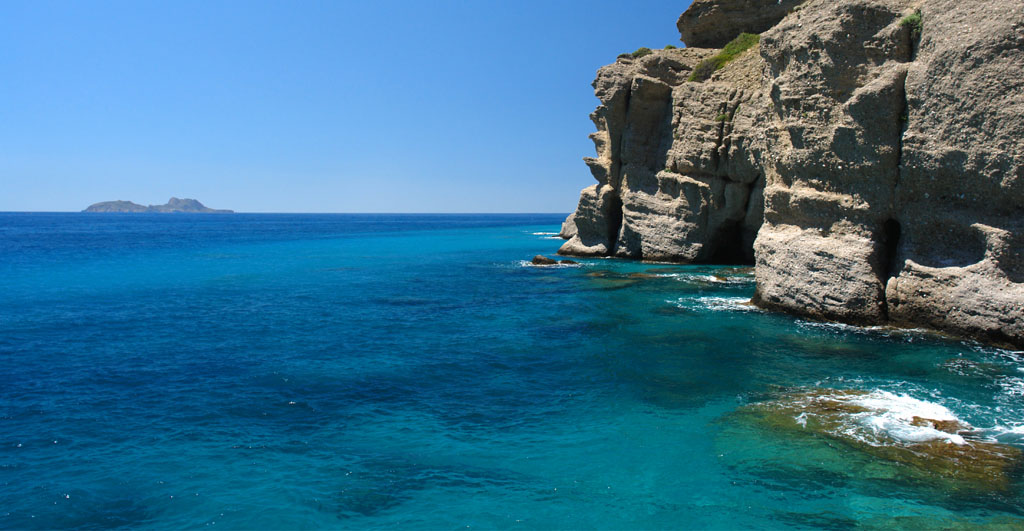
(173, 205)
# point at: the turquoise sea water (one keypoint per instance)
(359, 371)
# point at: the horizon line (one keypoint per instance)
(291, 213)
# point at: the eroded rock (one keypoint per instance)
(836, 92)
(713, 23)
(871, 172)
(677, 176)
(958, 263)
(894, 189)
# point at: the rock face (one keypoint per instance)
(880, 168)
(959, 261)
(174, 205)
(713, 23)
(835, 156)
(676, 177)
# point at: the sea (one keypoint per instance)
(277, 371)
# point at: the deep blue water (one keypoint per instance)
(361, 371)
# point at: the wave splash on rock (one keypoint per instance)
(930, 439)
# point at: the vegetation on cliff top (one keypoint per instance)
(643, 51)
(640, 52)
(708, 66)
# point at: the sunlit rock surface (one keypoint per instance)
(870, 168)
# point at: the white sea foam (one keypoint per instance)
(733, 304)
(828, 325)
(909, 334)
(1006, 434)
(1011, 385)
(891, 416)
(544, 233)
(710, 279)
(527, 263)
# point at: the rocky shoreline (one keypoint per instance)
(864, 155)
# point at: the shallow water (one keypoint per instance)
(305, 371)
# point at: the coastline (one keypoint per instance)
(848, 185)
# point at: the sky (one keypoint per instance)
(306, 106)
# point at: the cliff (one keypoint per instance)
(865, 155)
(174, 205)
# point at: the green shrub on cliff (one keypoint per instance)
(640, 52)
(914, 22)
(740, 44)
(670, 47)
(703, 70)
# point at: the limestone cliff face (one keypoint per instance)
(677, 179)
(836, 72)
(880, 170)
(959, 263)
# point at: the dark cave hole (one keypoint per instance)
(732, 248)
(614, 224)
(890, 248)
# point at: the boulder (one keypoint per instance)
(713, 23)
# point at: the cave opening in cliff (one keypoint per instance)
(614, 223)
(732, 248)
(890, 247)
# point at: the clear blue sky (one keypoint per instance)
(333, 106)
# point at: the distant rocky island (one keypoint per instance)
(174, 205)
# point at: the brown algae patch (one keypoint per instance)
(610, 280)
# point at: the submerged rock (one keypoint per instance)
(926, 437)
(610, 280)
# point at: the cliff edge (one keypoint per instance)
(865, 155)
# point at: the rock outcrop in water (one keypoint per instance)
(936, 448)
(866, 156)
(174, 205)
